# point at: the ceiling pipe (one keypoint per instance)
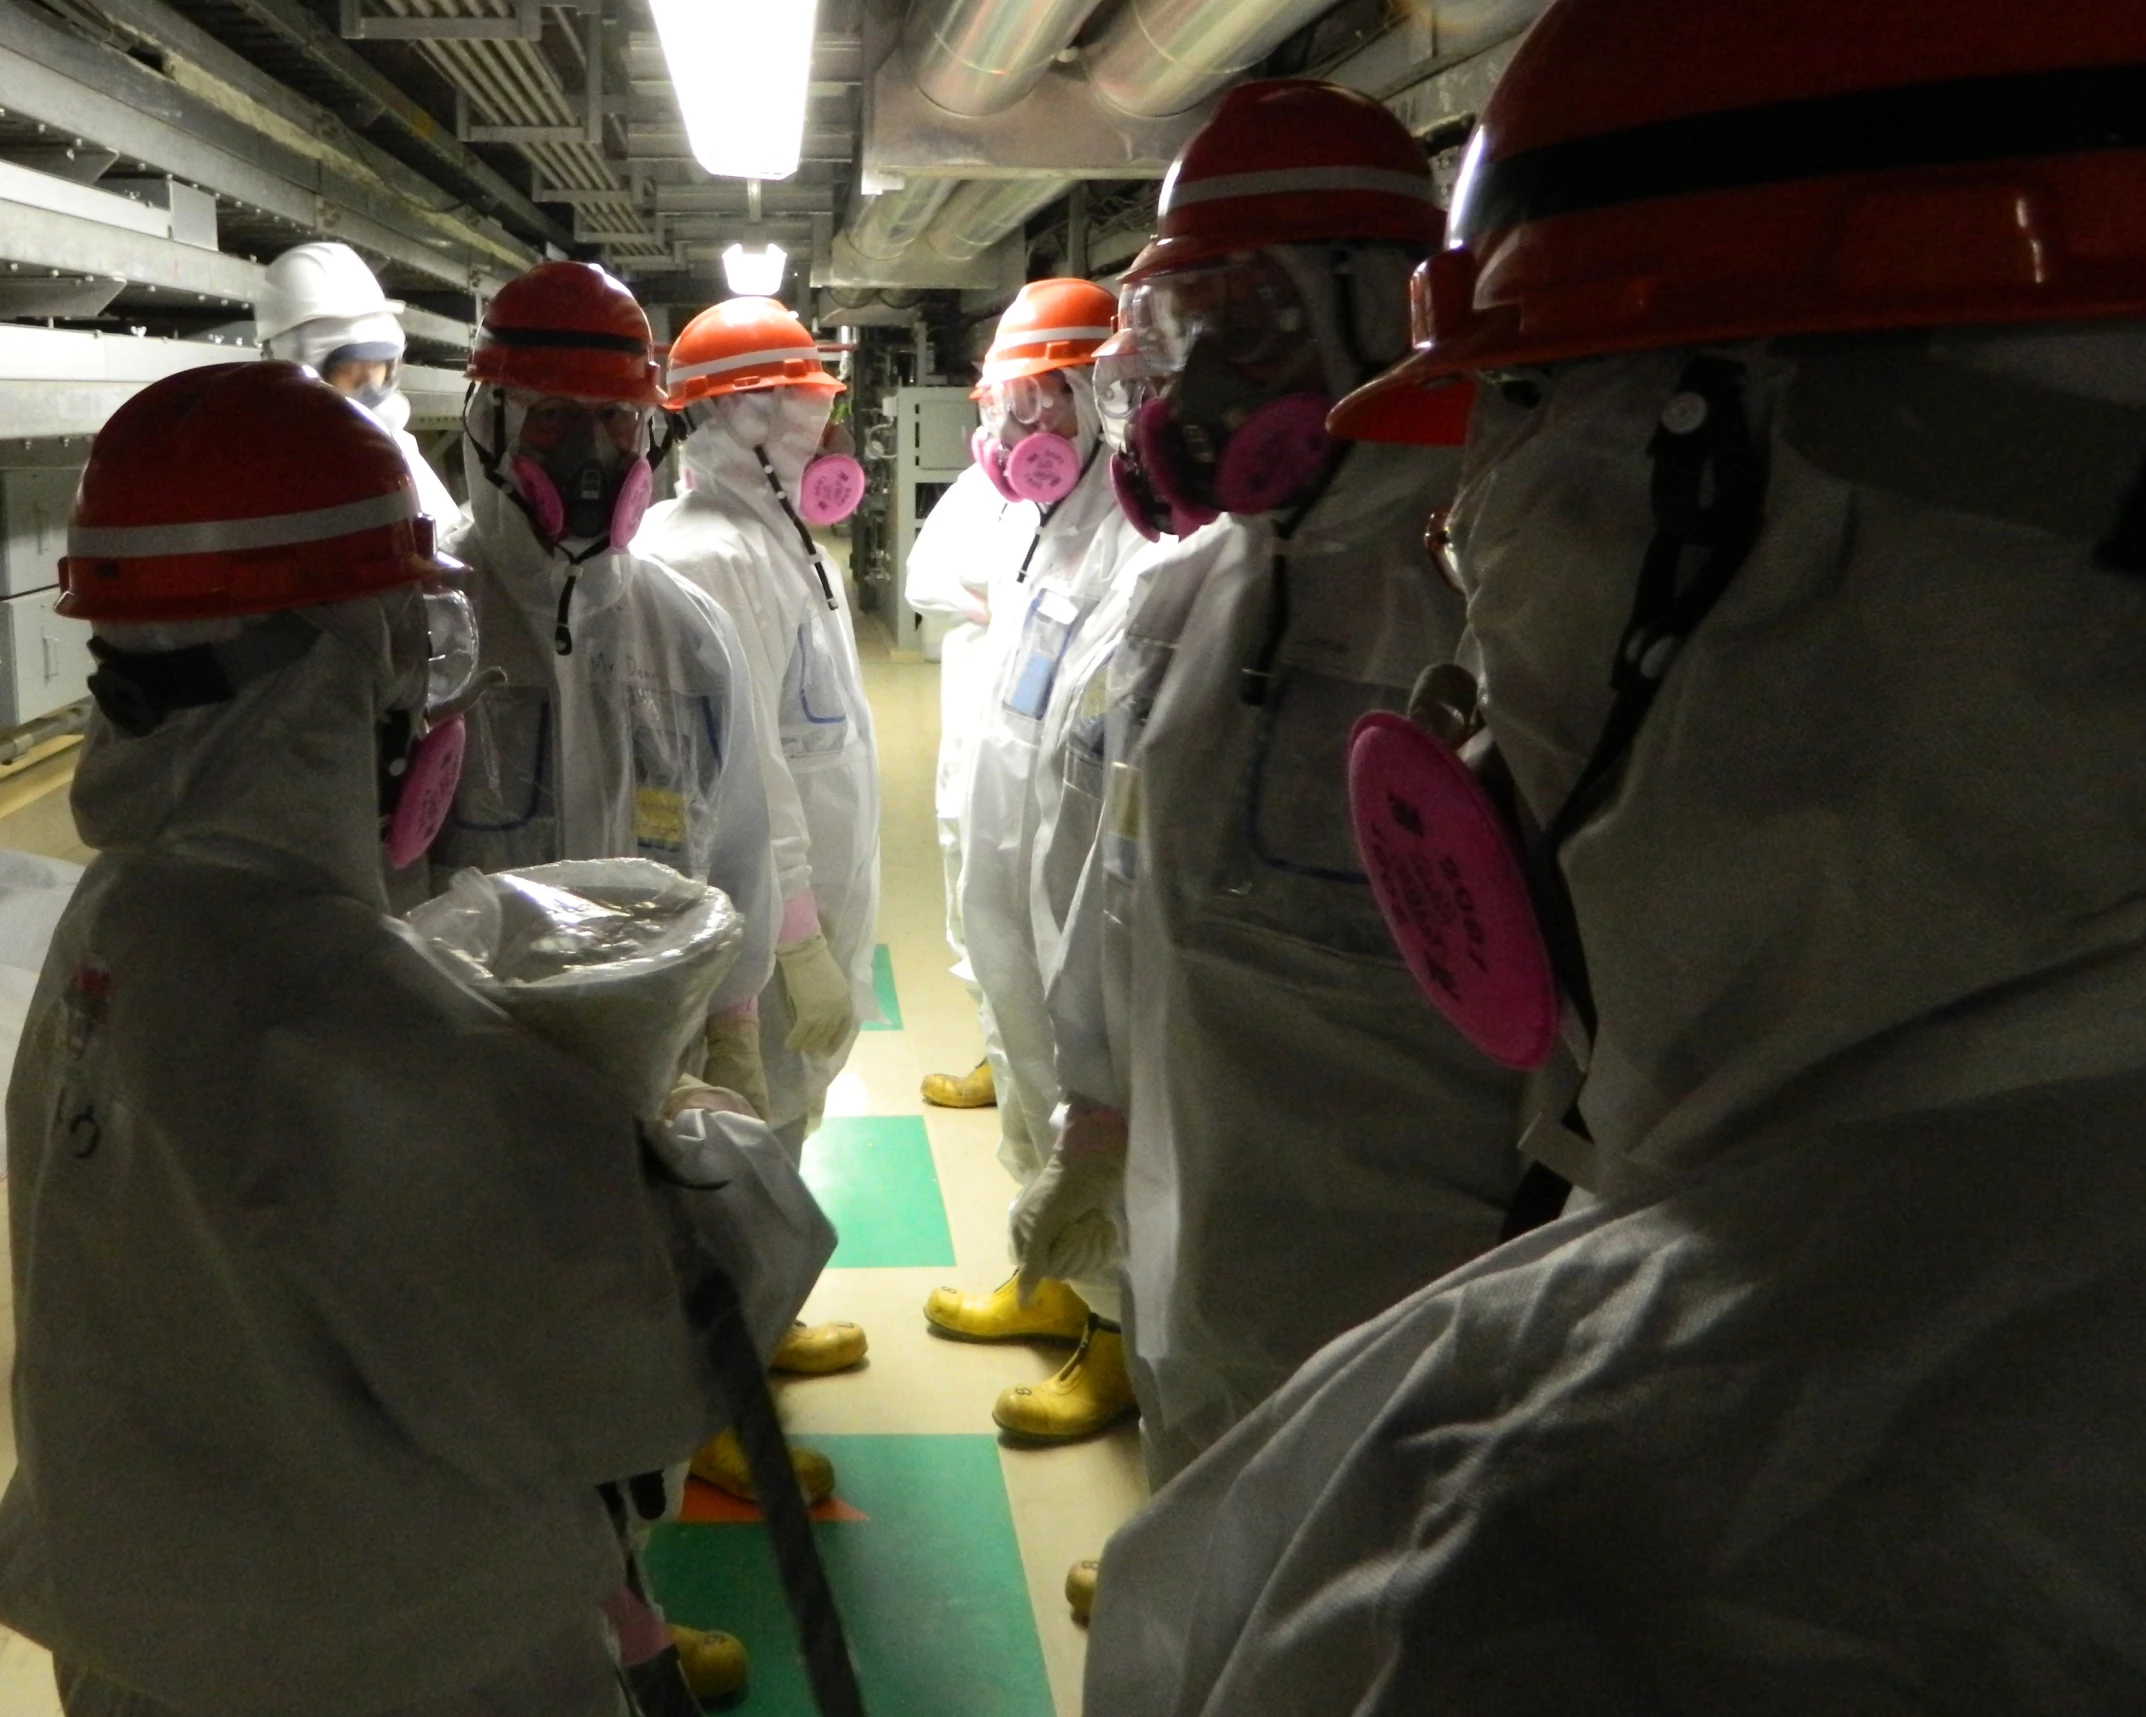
(979, 57)
(1159, 57)
(891, 222)
(983, 211)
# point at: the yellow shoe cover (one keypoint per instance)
(1080, 1590)
(813, 1350)
(971, 1090)
(1057, 1313)
(722, 1463)
(1090, 1393)
(714, 1663)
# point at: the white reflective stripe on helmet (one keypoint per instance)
(722, 366)
(1042, 336)
(1280, 181)
(277, 530)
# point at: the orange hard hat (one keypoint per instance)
(1050, 325)
(240, 489)
(568, 329)
(743, 343)
(1291, 161)
(1654, 173)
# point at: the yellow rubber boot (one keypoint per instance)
(721, 1461)
(1080, 1590)
(813, 1350)
(1057, 1313)
(1090, 1393)
(971, 1090)
(715, 1664)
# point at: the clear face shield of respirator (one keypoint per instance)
(1237, 423)
(1027, 443)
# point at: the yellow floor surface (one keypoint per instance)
(1063, 1501)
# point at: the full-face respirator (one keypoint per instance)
(580, 470)
(1026, 444)
(809, 457)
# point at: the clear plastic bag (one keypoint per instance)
(613, 960)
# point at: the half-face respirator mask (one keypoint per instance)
(1026, 443)
(809, 458)
(579, 469)
(1238, 421)
(422, 740)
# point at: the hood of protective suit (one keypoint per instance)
(787, 423)
(284, 777)
(1878, 841)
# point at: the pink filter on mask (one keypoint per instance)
(1043, 468)
(1448, 881)
(546, 511)
(985, 450)
(428, 793)
(1274, 454)
(631, 506)
(829, 489)
(1132, 502)
(1159, 449)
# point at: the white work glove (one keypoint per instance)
(1063, 1223)
(733, 1059)
(819, 995)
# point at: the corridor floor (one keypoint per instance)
(947, 1548)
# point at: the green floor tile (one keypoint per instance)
(890, 1006)
(929, 1582)
(873, 1176)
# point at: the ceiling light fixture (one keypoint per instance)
(740, 69)
(755, 273)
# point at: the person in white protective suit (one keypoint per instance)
(762, 468)
(320, 306)
(625, 727)
(1815, 659)
(1041, 441)
(1306, 1140)
(336, 1294)
(949, 577)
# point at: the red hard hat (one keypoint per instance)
(240, 489)
(741, 344)
(568, 329)
(1050, 325)
(1291, 161)
(1655, 173)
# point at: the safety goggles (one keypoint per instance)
(1246, 308)
(451, 645)
(548, 423)
(1125, 380)
(1043, 402)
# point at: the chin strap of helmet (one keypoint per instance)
(804, 536)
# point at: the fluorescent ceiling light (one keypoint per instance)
(740, 69)
(755, 273)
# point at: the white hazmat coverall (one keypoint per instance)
(336, 1293)
(729, 535)
(1035, 614)
(1833, 1403)
(638, 742)
(971, 531)
(1309, 1140)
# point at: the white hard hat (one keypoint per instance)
(316, 280)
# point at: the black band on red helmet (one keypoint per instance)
(564, 340)
(2071, 111)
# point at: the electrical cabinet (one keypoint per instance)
(932, 427)
(44, 657)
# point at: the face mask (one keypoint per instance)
(832, 484)
(421, 754)
(1022, 445)
(1216, 442)
(578, 469)
(806, 452)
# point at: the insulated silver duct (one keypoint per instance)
(979, 57)
(984, 211)
(893, 221)
(1159, 57)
